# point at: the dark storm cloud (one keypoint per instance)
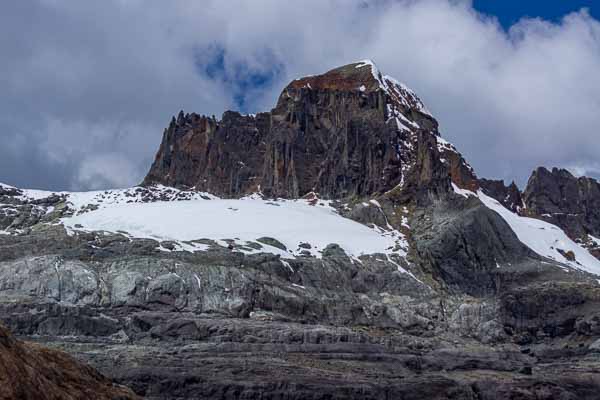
(87, 87)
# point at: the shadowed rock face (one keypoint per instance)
(558, 197)
(30, 371)
(349, 132)
(509, 196)
(564, 200)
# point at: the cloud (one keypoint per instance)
(87, 87)
(590, 169)
(509, 100)
(84, 80)
(104, 170)
(99, 154)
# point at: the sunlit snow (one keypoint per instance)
(291, 222)
(543, 238)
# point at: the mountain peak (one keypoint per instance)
(362, 76)
(353, 77)
(349, 132)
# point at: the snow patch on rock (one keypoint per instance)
(463, 192)
(594, 240)
(292, 222)
(545, 239)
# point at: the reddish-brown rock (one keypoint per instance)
(30, 371)
(349, 132)
(461, 173)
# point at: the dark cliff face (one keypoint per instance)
(349, 132)
(564, 200)
(509, 196)
(557, 197)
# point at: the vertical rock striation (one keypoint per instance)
(349, 132)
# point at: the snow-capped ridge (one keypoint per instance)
(543, 238)
(399, 92)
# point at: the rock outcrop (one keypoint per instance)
(564, 200)
(509, 196)
(349, 132)
(555, 196)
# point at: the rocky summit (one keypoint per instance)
(351, 132)
(335, 247)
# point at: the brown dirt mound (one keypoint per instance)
(30, 371)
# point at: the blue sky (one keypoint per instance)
(509, 12)
(87, 89)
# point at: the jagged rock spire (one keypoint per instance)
(351, 131)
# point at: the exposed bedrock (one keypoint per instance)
(479, 321)
(564, 200)
(338, 134)
(456, 308)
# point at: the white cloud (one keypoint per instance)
(592, 169)
(100, 171)
(88, 80)
(102, 154)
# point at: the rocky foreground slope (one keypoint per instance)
(334, 247)
(29, 371)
